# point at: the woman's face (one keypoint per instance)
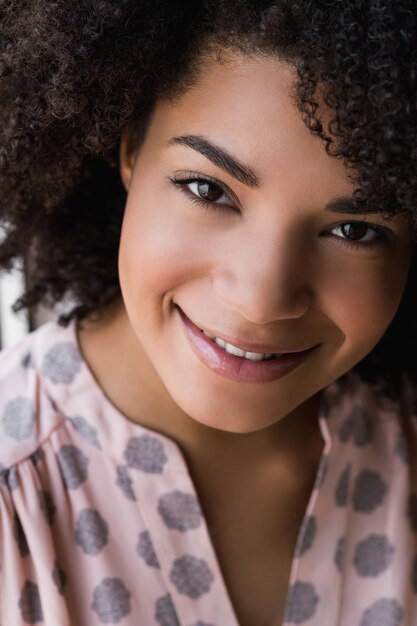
(249, 253)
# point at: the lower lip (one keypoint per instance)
(235, 367)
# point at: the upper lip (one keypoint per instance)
(249, 346)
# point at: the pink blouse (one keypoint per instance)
(100, 522)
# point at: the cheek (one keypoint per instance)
(363, 304)
(158, 249)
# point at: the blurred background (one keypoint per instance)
(13, 326)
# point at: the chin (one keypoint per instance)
(230, 425)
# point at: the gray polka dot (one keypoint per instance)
(301, 602)
(20, 536)
(91, 531)
(358, 426)
(27, 360)
(47, 505)
(86, 430)
(412, 511)
(384, 612)
(12, 478)
(373, 555)
(321, 472)
(30, 603)
(363, 426)
(339, 555)
(342, 487)
(3, 474)
(18, 418)
(165, 613)
(125, 482)
(369, 491)
(414, 575)
(191, 576)
(59, 577)
(401, 448)
(146, 550)
(306, 535)
(62, 363)
(73, 464)
(145, 453)
(345, 431)
(37, 456)
(111, 601)
(180, 510)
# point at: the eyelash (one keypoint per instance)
(383, 236)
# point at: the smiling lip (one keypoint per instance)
(248, 346)
(234, 367)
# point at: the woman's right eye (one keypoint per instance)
(204, 192)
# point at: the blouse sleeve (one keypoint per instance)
(31, 580)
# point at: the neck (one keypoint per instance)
(294, 439)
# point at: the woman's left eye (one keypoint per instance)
(375, 236)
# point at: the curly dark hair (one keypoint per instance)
(75, 74)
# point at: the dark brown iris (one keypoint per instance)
(355, 231)
(209, 191)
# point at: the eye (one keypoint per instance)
(205, 191)
(354, 234)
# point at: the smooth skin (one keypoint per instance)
(271, 265)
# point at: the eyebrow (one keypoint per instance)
(245, 174)
(345, 204)
(219, 157)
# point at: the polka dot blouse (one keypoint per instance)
(100, 522)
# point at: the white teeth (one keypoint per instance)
(231, 349)
(256, 356)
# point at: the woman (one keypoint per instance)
(221, 430)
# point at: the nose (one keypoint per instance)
(265, 276)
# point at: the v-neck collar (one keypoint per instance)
(80, 394)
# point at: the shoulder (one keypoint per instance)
(27, 415)
(398, 397)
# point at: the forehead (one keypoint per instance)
(245, 104)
